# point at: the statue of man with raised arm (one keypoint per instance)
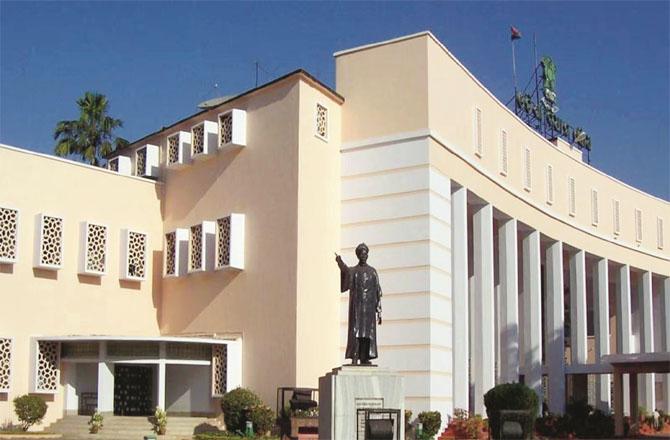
(365, 307)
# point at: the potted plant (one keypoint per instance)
(160, 421)
(95, 423)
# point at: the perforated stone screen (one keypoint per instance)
(223, 242)
(171, 253)
(173, 149)
(114, 165)
(226, 128)
(137, 247)
(132, 349)
(79, 350)
(51, 247)
(96, 248)
(219, 369)
(321, 121)
(195, 242)
(47, 365)
(141, 162)
(198, 139)
(5, 363)
(181, 350)
(9, 219)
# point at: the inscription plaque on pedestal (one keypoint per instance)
(366, 403)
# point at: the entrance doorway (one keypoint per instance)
(133, 390)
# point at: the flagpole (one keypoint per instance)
(514, 68)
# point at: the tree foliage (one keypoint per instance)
(91, 137)
(30, 409)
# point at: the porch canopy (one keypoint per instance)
(632, 364)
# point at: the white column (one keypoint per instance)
(555, 332)
(509, 307)
(601, 320)
(484, 373)
(665, 312)
(646, 339)
(105, 381)
(532, 310)
(459, 298)
(160, 401)
(624, 332)
(578, 307)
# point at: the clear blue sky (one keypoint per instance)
(156, 60)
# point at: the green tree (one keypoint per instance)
(92, 135)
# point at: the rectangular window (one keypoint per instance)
(594, 207)
(638, 225)
(616, 217)
(141, 162)
(133, 251)
(5, 364)
(322, 122)
(526, 169)
(550, 184)
(503, 153)
(479, 143)
(233, 128)
(171, 254)
(9, 223)
(195, 248)
(49, 246)
(572, 197)
(93, 251)
(230, 242)
(659, 232)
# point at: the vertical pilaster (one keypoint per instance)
(624, 332)
(509, 308)
(484, 373)
(532, 309)
(105, 381)
(648, 399)
(460, 294)
(555, 328)
(162, 355)
(601, 321)
(578, 307)
(665, 330)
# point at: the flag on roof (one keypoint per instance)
(516, 33)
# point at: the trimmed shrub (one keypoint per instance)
(30, 410)
(262, 417)
(511, 396)
(235, 405)
(431, 421)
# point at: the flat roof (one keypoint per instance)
(184, 339)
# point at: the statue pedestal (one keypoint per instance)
(349, 388)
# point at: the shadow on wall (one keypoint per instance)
(46, 274)
(157, 276)
(7, 268)
(127, 284)
(90, 279)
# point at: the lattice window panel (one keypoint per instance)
(226, 128)
(173, 149)
(198, 139)
(9, 223)
(594, 207)
(51, 242)
(171, 253)
(113, 165)
(322, 121)
(5, 364)
(616, 216)
(181, 350)
(659, 236)
(526, 170)
(503, 153)
(133, 349)
(195, 248)
(638, 225)
(79, 350)
(223, 242)
(137, 250)
(479, 142)
(141, 162)
(219, 370)
(572, 197)
(48, 359)
(96, 248)
(550, 184)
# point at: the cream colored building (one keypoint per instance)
(487, 237)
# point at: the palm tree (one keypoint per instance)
(91, 136)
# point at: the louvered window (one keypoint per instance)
(638, 225)
(659, 232)
(526, 169)
(572, 197)
(616, 217)
(503, 153)
(479, 144)
(550, 184)
(594, 207)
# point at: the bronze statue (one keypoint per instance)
(365, 307)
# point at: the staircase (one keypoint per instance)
(131, 428)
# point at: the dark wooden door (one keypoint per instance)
(133, 390)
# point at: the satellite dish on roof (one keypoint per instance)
(211, 103)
